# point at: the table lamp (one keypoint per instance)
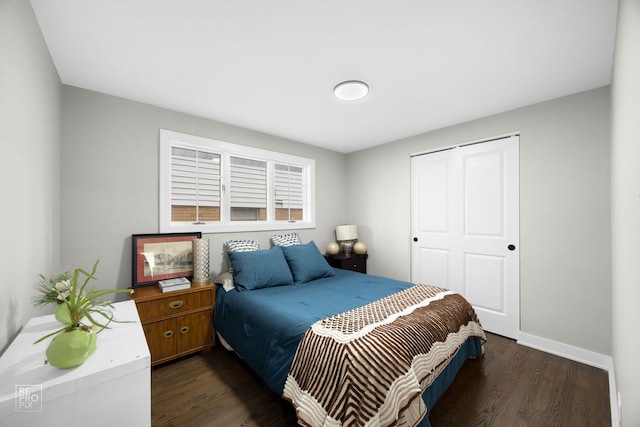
(346, 235)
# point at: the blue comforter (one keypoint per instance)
(264, 326)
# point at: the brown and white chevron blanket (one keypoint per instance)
(369, 366)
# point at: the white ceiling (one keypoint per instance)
(271, 65)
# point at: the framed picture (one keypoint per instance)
(161, 256)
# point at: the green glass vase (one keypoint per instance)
(62, 314)
(71, 349)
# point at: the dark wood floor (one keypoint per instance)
(511, 385)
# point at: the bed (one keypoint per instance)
(343, 347)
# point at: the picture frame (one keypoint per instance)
(162, 256)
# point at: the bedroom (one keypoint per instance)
(94, 205)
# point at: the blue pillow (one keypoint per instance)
(260, 269)
(306, 262)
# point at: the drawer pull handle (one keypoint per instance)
(184, 329)
(168, 334)
(176, 304)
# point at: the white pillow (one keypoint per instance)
(226, 280)
(289, 239)
(241, 246)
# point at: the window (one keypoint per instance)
(214, 186)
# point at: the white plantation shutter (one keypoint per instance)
(289, 189)
(248, 183)
(195, 178)
(248, 189)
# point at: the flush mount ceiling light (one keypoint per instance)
(351, 90)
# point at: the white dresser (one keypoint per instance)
(112, 388)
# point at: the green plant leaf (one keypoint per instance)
(50, 335)
(81, 304)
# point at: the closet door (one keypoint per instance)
(465, 224)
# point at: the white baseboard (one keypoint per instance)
(579, 355)
(613, 396)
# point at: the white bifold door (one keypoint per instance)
(465, 227)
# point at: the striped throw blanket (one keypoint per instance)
(369, 366)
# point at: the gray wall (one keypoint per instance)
(565, 286)
(626, 209)
(110, 180)
(30, 121)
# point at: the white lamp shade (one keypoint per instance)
(347, 232)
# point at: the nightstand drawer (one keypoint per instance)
(354, 262)
(161, 338)
(173, 304)
(194, 331)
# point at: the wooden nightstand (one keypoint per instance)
(353, 262)
(176, 323)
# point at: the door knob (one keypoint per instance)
(511, 247)
(415, 239)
